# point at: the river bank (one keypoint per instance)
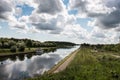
(7, 52)
(62, 64)
(89, 65)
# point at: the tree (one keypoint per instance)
(29, 43)
(21, 48)
(0, 45)
(13, 48)
(6, 45)
(12, 43)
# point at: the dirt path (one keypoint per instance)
(66, 63)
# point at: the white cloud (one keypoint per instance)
(19, 25)
(75, 30)
(31, 3)
(18, 11)
(98, 33)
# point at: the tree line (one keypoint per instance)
(103, 47)
(13, 44)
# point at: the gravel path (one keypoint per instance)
(66, 63)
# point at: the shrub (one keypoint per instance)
(13, 48)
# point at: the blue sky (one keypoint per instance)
(76, 21)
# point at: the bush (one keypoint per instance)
(13, 48)
(21, 48)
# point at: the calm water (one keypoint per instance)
(18, 68)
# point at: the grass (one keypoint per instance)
(8, 52)
(88, 65)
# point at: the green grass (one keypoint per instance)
(88, 65)
(7, 51)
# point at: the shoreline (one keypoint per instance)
(15, 54)
(55, 68)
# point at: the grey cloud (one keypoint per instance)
(5, 7)
(19, 26)
(79, 4)
(49, 6)
(47, 25)
(105, 20)
(98, 35)
(111, 20)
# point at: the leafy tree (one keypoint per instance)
(13, 48)
(6, 45)
(29, 43)
(0, 45)
(12, 43)
(21, 48)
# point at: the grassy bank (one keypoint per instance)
(88, 65)
(8, 52)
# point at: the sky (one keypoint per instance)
(78, 21)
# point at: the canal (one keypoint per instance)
(27, 66)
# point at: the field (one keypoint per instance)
(89, 64)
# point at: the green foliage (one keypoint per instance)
(0, 45)
(21, 48)
(8, 42)
(13, 48)
(11, 42)
(103, 47)
(29, 43)
(6, 45)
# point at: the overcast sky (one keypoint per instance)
(79, 21)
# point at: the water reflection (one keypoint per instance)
(47, 50)
(25, 66)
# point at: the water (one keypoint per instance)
(26, 66)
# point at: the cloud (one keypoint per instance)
(49, 6)
(105, 13)
(6, 8)
(76, 31)
(52, 16)
(90, 8)
(78, 5)
(31, 3)
(19, 25)
(46, 23)
(18, 11)
(98, 33)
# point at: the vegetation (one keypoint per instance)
(92, 62)
(104, 47)
(13, 49)
(21, 48)
(20, 45)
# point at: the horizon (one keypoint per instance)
(77, 21)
